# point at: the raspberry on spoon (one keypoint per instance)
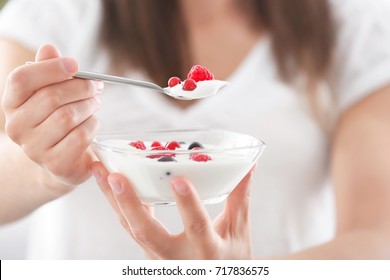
(189, 85)
(174, 81)
(200, 73)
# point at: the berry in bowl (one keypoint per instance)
(215, 161)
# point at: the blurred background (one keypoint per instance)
(2, 2)
(13, 237)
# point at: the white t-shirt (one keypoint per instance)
(292, 205)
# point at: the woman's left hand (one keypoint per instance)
(227, 237)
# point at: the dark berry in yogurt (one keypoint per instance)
(166, 159)
(195, 145)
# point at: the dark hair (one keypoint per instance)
(150, 35)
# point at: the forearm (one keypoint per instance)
(358, 244)
(24, 185)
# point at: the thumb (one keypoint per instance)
(237, 204)
(47, 51)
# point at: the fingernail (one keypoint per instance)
(69, 65)
(98, 176)
(115, 186)
(180, 187)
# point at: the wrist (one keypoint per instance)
(53, 185)
(58, 185)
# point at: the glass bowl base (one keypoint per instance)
(213, 200)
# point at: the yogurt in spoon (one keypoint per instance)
(200, 83)
(203, 89)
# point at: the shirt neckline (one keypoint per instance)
(238, 75)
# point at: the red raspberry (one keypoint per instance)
(189, 85)
(174, 81)
(200, 73)
(138, 144)
(156, 144)
(160, 148)
(200, 157)
(173, 145)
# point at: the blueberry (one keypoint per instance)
(166, 159)
(195, 145)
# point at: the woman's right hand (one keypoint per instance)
(50, 116)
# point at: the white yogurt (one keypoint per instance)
(203, 89)
(213, 179)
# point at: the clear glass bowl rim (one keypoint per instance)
(258, 144)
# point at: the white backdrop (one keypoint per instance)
(13, 240)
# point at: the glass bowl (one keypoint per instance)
(215, 168)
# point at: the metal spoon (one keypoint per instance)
(205, 89)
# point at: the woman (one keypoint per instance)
(271, 54)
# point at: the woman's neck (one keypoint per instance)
(220, 35)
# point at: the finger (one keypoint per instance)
(147, 231)
(39, 143)
(101, 173)
(74, 150)
(47, 51)
(25, 80)
(59, 124)
(78, 140)
(50, 98)
(237, 203)
(197, 224)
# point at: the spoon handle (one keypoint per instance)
(113, 79)
(116, 80)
